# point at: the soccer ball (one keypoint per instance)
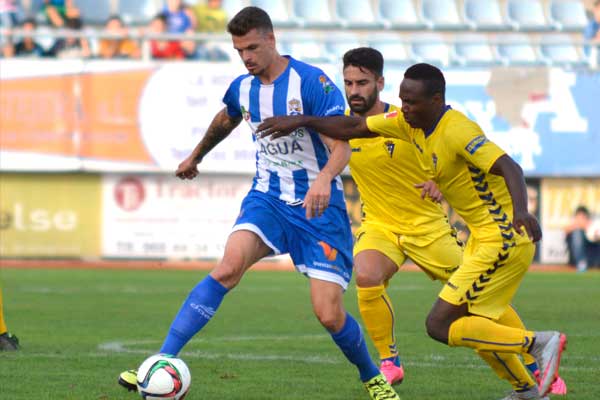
(163, 376)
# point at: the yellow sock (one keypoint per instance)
(506, 365)
(483, 334)
(3, 328)
(377, 314)
(511, 318)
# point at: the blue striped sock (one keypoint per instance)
(196, 311)
(352, 343)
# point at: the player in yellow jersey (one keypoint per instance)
(8, 341)
(487, 189)
(397, 223)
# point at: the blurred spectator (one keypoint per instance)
(59, 12)
(164, 49)
(210, 16)
(71, 47)
(583, 240)
(117, 48)
(9, 13)
(592, 32)
(27, 47)
(180, 19)
(9, 16)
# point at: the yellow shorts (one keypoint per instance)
(438, 254)
(489, 277)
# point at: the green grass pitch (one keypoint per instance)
(80, 328)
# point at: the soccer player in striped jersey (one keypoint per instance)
(487, 189)
(296, 204)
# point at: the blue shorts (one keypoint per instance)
(321, 248)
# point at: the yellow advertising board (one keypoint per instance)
(560, 198)
(50, 215)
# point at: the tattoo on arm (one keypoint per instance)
(220, 127)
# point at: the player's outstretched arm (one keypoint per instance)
(220, 127)
(336, 127)
(318, 195)
(512, 173)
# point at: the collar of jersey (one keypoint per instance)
(430, 131)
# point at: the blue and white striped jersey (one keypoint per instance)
(286, 167)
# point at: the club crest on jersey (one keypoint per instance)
(390, 147)
(294, 107)
(326, 83)
(245, 114)
(391, 114)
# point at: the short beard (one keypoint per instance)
(368, 104)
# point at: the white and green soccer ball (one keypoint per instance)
(163, 376)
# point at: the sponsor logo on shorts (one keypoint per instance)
(452, 285)
(330, 252)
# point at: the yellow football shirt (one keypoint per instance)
(460, 157)
(385, 171)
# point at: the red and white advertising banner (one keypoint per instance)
(160, 216)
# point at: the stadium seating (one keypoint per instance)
(474, 50)
(559, 50)
(393, 48)
(399, 14)
(278, 12)
(337, 46)
(568, 15)
(305, 47)
(441, 14)
(431, 48)
(137, 12)
(484, 15)
(357, 14)
(232, 7)
(314, 14)
(94, 11)
(516, 49)
(527, 15)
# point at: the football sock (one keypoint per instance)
(352, 343)
(377, 314)
(508, 366)
(196, 311)
(483, 334)
(511, 318)
(3, 328)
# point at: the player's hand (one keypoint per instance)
(431, 190)
(317, 198)
(524, 222)
(276, 127)
(188, 169)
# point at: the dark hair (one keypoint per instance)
(31, 21)
(114, 17)
(582, 210)
(365, 57)
(247, 19)
(73, 23)
(432, 78)
(161, 16)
